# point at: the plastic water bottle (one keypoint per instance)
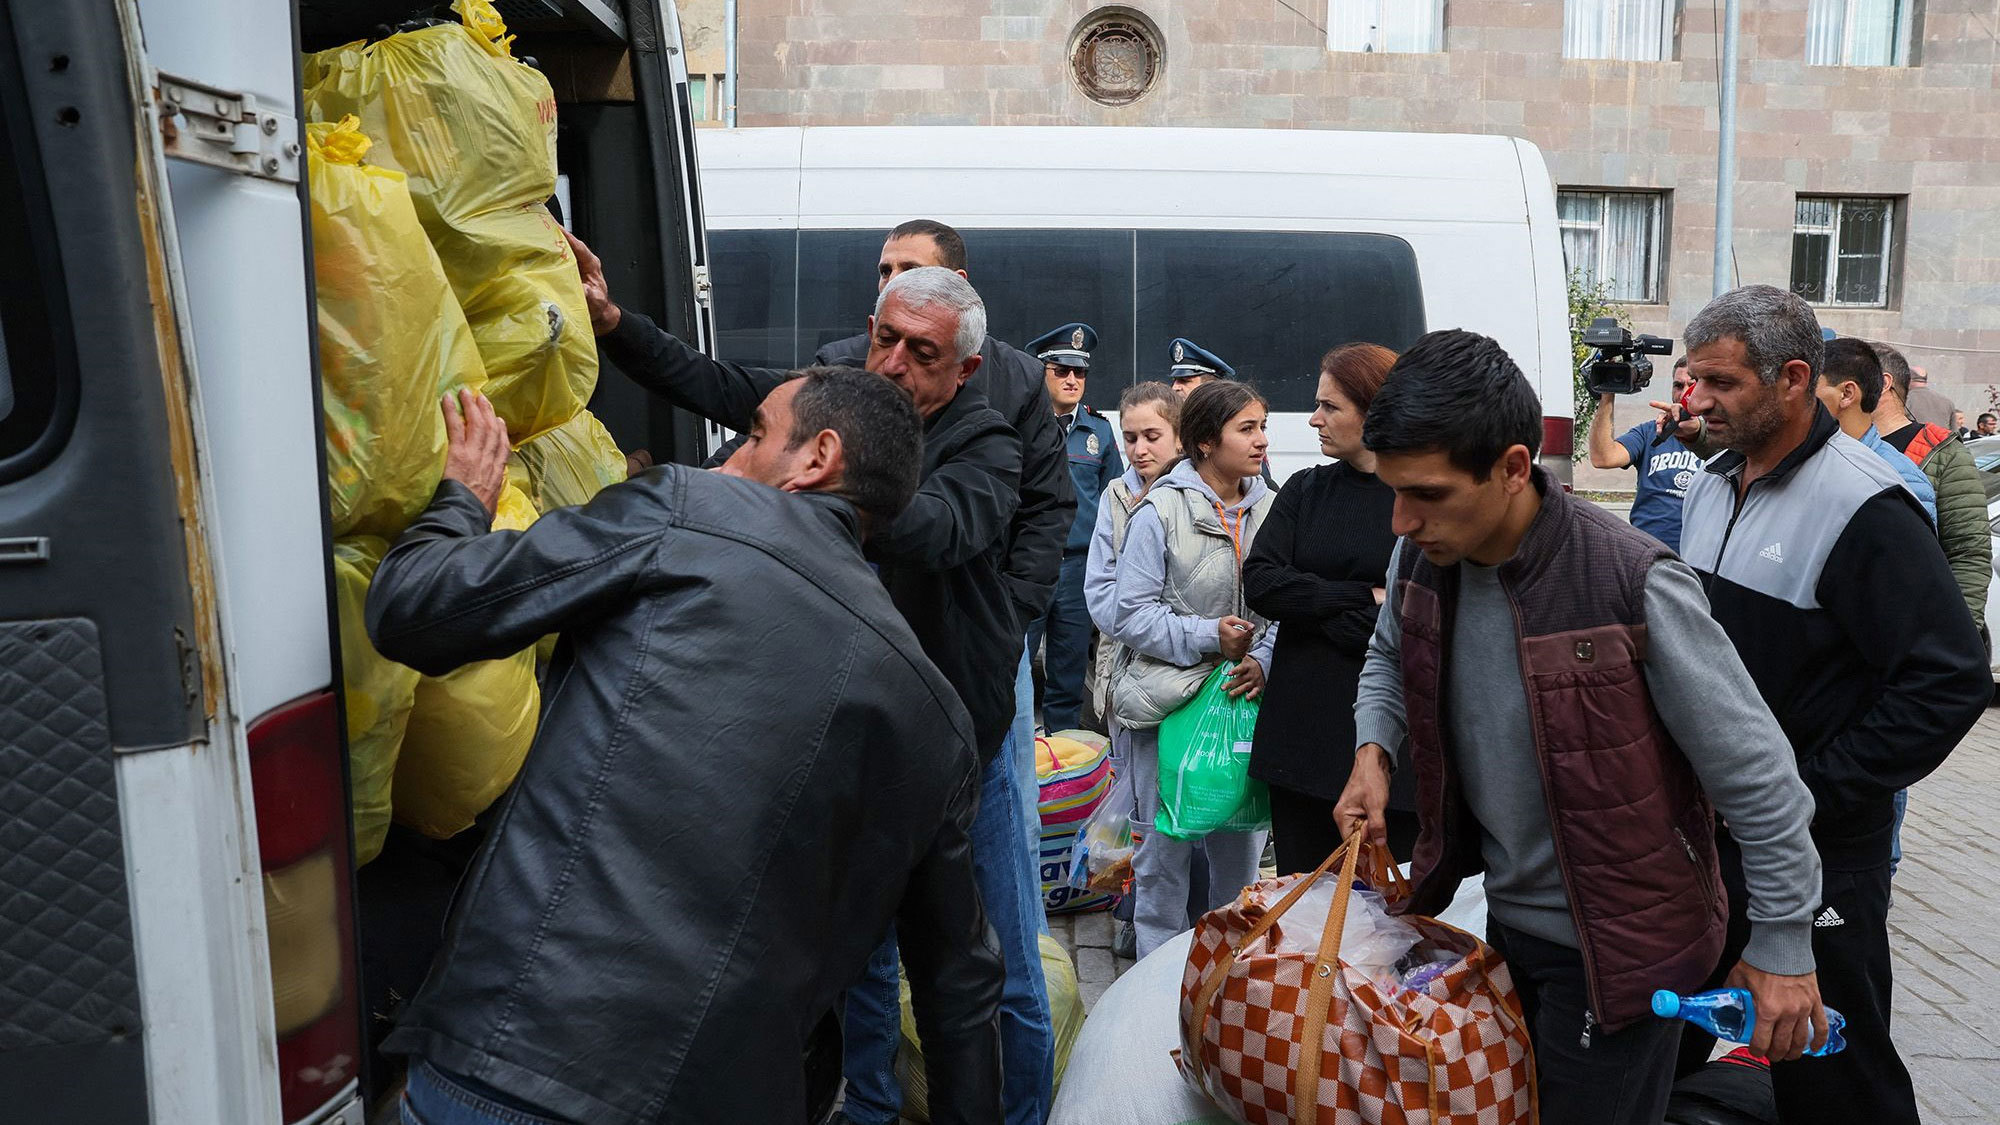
(1730, 1013)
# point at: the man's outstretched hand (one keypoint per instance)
(604, 314)
(477, 455)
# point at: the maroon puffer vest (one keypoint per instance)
(1634, 833)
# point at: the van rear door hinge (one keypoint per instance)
(224, 129)
(704, 286)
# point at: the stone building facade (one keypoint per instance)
(1924, 136)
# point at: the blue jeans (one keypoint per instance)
(432, 1098)
(1896, 832)
(1026, 782)
(1011, 887)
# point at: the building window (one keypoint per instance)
(705, 93)
(1393, 26)
(1639, 30)
(1841, 250)
(1858, 32)
(1613, 238)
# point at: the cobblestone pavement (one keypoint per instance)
(1944, 932)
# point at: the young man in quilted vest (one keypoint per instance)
(1571, 710)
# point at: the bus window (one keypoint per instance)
(1271, 303)
(756, 297)
(1036, 280)
(836, 286)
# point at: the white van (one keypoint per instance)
(1267, 247)
(180, 941)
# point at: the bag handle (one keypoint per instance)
(1347, 855)
(1319, 984)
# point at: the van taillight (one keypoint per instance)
(1558, 437)
(301, 799)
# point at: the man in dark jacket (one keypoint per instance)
(1833, 589)
(940, 561)
(745, 769)
(1571, 711)
(1013, 384)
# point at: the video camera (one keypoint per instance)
(1619, 365)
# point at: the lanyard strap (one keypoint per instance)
(1235, 531)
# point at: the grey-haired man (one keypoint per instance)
(1796, 532)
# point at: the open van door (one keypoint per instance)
(637, 203)
(133, 981)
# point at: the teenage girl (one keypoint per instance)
(1178, 605)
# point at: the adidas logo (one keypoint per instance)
(1775, 553)
(1828, 917)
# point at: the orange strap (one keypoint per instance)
(1326, 963)
(1319, 986)
(1235, 530)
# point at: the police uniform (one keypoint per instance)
(1093, 464)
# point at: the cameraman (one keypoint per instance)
(1665, 468)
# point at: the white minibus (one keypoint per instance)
(1267, 247)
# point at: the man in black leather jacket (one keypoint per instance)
(745, 769)
(941, 561)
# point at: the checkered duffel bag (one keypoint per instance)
(1455, 1052)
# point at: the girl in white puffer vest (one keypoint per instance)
(1178, 608)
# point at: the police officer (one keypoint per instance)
(1093, 464)
(1195, 365)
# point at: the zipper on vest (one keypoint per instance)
(1589, 1026)
(1701, 872)
(1583, 944)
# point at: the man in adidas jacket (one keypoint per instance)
(1830, 583)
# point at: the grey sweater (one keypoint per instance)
(1709, 706)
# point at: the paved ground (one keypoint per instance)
(1944, 931)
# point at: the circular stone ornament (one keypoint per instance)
(1116, 55)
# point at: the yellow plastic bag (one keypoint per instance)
(469, 730)
(475, 132)
(571, 463)
(1065, 1014)
(392, 340)
(378, 691)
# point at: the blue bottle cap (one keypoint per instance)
(1666, 1003)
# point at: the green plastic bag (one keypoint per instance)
(1205, 783)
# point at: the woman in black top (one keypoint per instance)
(1317, 568)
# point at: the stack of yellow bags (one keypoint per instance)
(438, 266)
